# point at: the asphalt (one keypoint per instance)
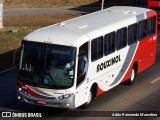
(54, 10)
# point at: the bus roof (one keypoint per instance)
(77, 31)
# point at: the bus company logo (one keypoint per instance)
(6, 114)
(108, 63)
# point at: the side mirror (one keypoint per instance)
(16, 55)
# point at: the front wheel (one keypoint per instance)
(89, 100)
(133, 76)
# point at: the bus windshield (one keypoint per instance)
(47, 65)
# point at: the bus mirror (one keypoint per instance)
(16, 55)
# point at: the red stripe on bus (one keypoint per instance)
(150, 14)
(144, 56)
(29, 90)
(100, 91)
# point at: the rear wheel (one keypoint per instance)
(133, 76)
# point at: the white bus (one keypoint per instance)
(67, 64)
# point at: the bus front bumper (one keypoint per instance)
(68, 103)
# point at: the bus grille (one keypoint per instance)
(43, 98)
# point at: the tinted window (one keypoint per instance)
(151, 25)
(47, 65)
(82, 63)
(121, 40)
(109, 43)
(97, 48)
(142, 29)
(132, 34)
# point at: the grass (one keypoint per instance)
(10, 41)
(24, 25)
(45, 3)
(57, 3)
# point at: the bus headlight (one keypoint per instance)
(65, 96)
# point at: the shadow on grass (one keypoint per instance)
(108, 3)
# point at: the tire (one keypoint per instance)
(89, 100)
(133, 76)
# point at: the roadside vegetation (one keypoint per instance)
(63, 3)
(45, 3)
(25, 24)
(15, 28)
(22, 25)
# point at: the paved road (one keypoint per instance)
(56, 10)
(67, 9)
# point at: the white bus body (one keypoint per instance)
(100, 72)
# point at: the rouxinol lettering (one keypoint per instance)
(108, 63)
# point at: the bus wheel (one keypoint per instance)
(133, 76)
(89, 100)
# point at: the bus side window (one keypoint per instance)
(151, 25)
(142, 29)
(97, 49)
(121, 38)
(132, 34)
(109, 43)
(82, 63)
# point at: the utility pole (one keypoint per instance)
(102, 5)
(1, 13)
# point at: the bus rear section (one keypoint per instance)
(66, 65)
(155, 5)
(146, 51)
